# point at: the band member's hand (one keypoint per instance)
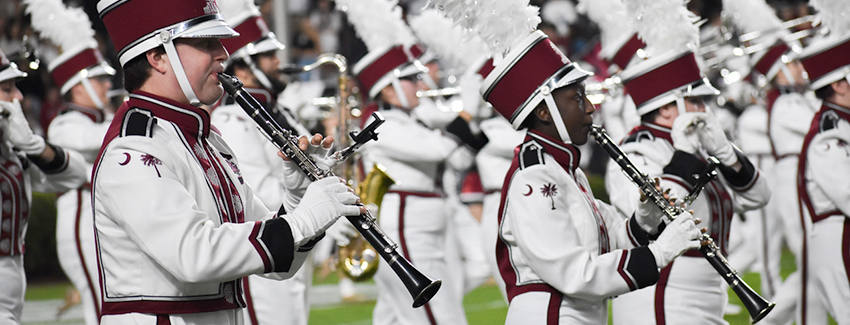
(679, 236)
(294, 179)
(684, 133)
(714, 140)
(17, 130)
(323, 203)
(342, 232)
(648, 214)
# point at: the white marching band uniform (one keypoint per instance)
(162, 164)
(20, 177)
(269, 301)
(413, 215)
(689, 290)
(80, 129)
(493, 162)
(824, 168)
(562, 252)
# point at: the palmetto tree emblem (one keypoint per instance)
(149, 160)
(550, 190)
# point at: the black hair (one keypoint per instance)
(137, 71)
(824, 92)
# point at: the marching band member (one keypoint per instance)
(29, 164)
(412, 212)
(824, 168)
(445, 48)
(668, 90)
(561, 252)
(84, 79)
(253, 59)
(177, 226)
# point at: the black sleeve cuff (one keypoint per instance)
(637, 235)
(277, 238)
(460, 128)
(310, 244)
(57, 165)
(637, 267)
(685, 166)
(743, 179)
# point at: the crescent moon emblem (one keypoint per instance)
(529, 190)
(126, 160)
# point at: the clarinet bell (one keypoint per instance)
(421, 287)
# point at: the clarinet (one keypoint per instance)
(421, 287)
(756, 305)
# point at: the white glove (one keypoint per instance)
(679, 236)
(322, 204)
(714, 140)
(294, 179)
(649, 216)
(469, 95)
(684, 135)
(342, 232)
(17, 129)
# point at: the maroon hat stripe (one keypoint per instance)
(827, 61)
(416, 50)
(131, 20)
(65, 71)
(249, 31)
(768, 59)
(522, 79)
(627, 51)
(486, 68)
(675, 74)
(370, 75)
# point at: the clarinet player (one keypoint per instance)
(177, 227)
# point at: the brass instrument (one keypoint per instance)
(756, 305)
(358, 260)
(421, 287)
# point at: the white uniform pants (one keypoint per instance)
(827, 284)
(13, 283)
(418, 225)
(75, 248)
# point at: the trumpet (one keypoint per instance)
(756, 305)
(421, 287)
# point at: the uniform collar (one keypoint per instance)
(656, 130)
(94, 114)
(566, 154)
(843, 112)
(192, 120)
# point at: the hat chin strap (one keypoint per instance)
(259, 74)
(402, 97)
(92, 94)
(788, 75)
(680, 103)
(182, 79)
(556, 117)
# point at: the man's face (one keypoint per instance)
(575, 110)
(203, 59)
(268, 63)
(9, 92)
(695, 104)
(100, 85)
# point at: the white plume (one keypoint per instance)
(834, 15)
(232, 9)
(66, 27)
(614, 22)
(755, 16)
(664, 25)
(452, 42)
(499, 23)
(559, 13)
(378, 23)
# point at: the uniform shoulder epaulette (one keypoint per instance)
(638, 136)
(138, 122)
(828, 121)
(530, 154)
